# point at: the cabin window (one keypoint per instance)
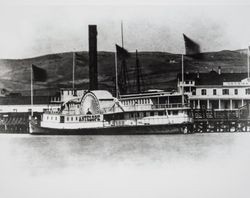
(236, 104)
(67, 118)
(175, 112)
(72, 118)
(160, 113)
(151, 113)
(51, 117)
(226, 104)
(144, 114)
(214, 91)
(47, 117)
(156, 113)
(193, 92)
(76, 118)
(55, 118)
(248, 91)
(225, 91)
(203, 92)
(236, 91)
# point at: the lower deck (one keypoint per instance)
(115, 130)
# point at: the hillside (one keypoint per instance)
(159, 69)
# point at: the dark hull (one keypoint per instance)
(117, 130)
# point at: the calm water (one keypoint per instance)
(176, 166)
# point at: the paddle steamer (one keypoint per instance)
(98, 112)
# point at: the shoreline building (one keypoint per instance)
(22, 104)
(216, 90)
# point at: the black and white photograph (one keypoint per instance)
(124, 99)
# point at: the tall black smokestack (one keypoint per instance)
(93, 73)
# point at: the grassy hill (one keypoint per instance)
(159, 69)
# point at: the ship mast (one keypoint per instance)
(139, 82)
(182, 78)
(122, 34)
(248, 68)
(73, 72)
(31, 90)
(124, 74)
(137, 73)
(116, 76)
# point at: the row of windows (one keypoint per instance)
(72, 118)
(152, 113)
(51, 117)
(69, 92)
(145, 114)
(225, 91)
(189, 82)
(133, 102)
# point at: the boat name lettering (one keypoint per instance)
(88, 118)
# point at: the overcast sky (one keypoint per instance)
(33, 29)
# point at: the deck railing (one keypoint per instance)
(170, 106)
(222, 114)
(145, 107)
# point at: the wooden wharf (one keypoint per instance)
(205, 121)
(14, 123)
(209, 120)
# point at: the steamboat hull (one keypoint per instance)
(115, 130)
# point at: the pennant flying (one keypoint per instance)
(192, 48)
(39, 74)
(122, 53)
(80, 60)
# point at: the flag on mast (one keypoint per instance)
(39, 74)
(191, 47)
(122, 53)
(80, 60)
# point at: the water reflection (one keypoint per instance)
(55, 152)
(144, 164)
